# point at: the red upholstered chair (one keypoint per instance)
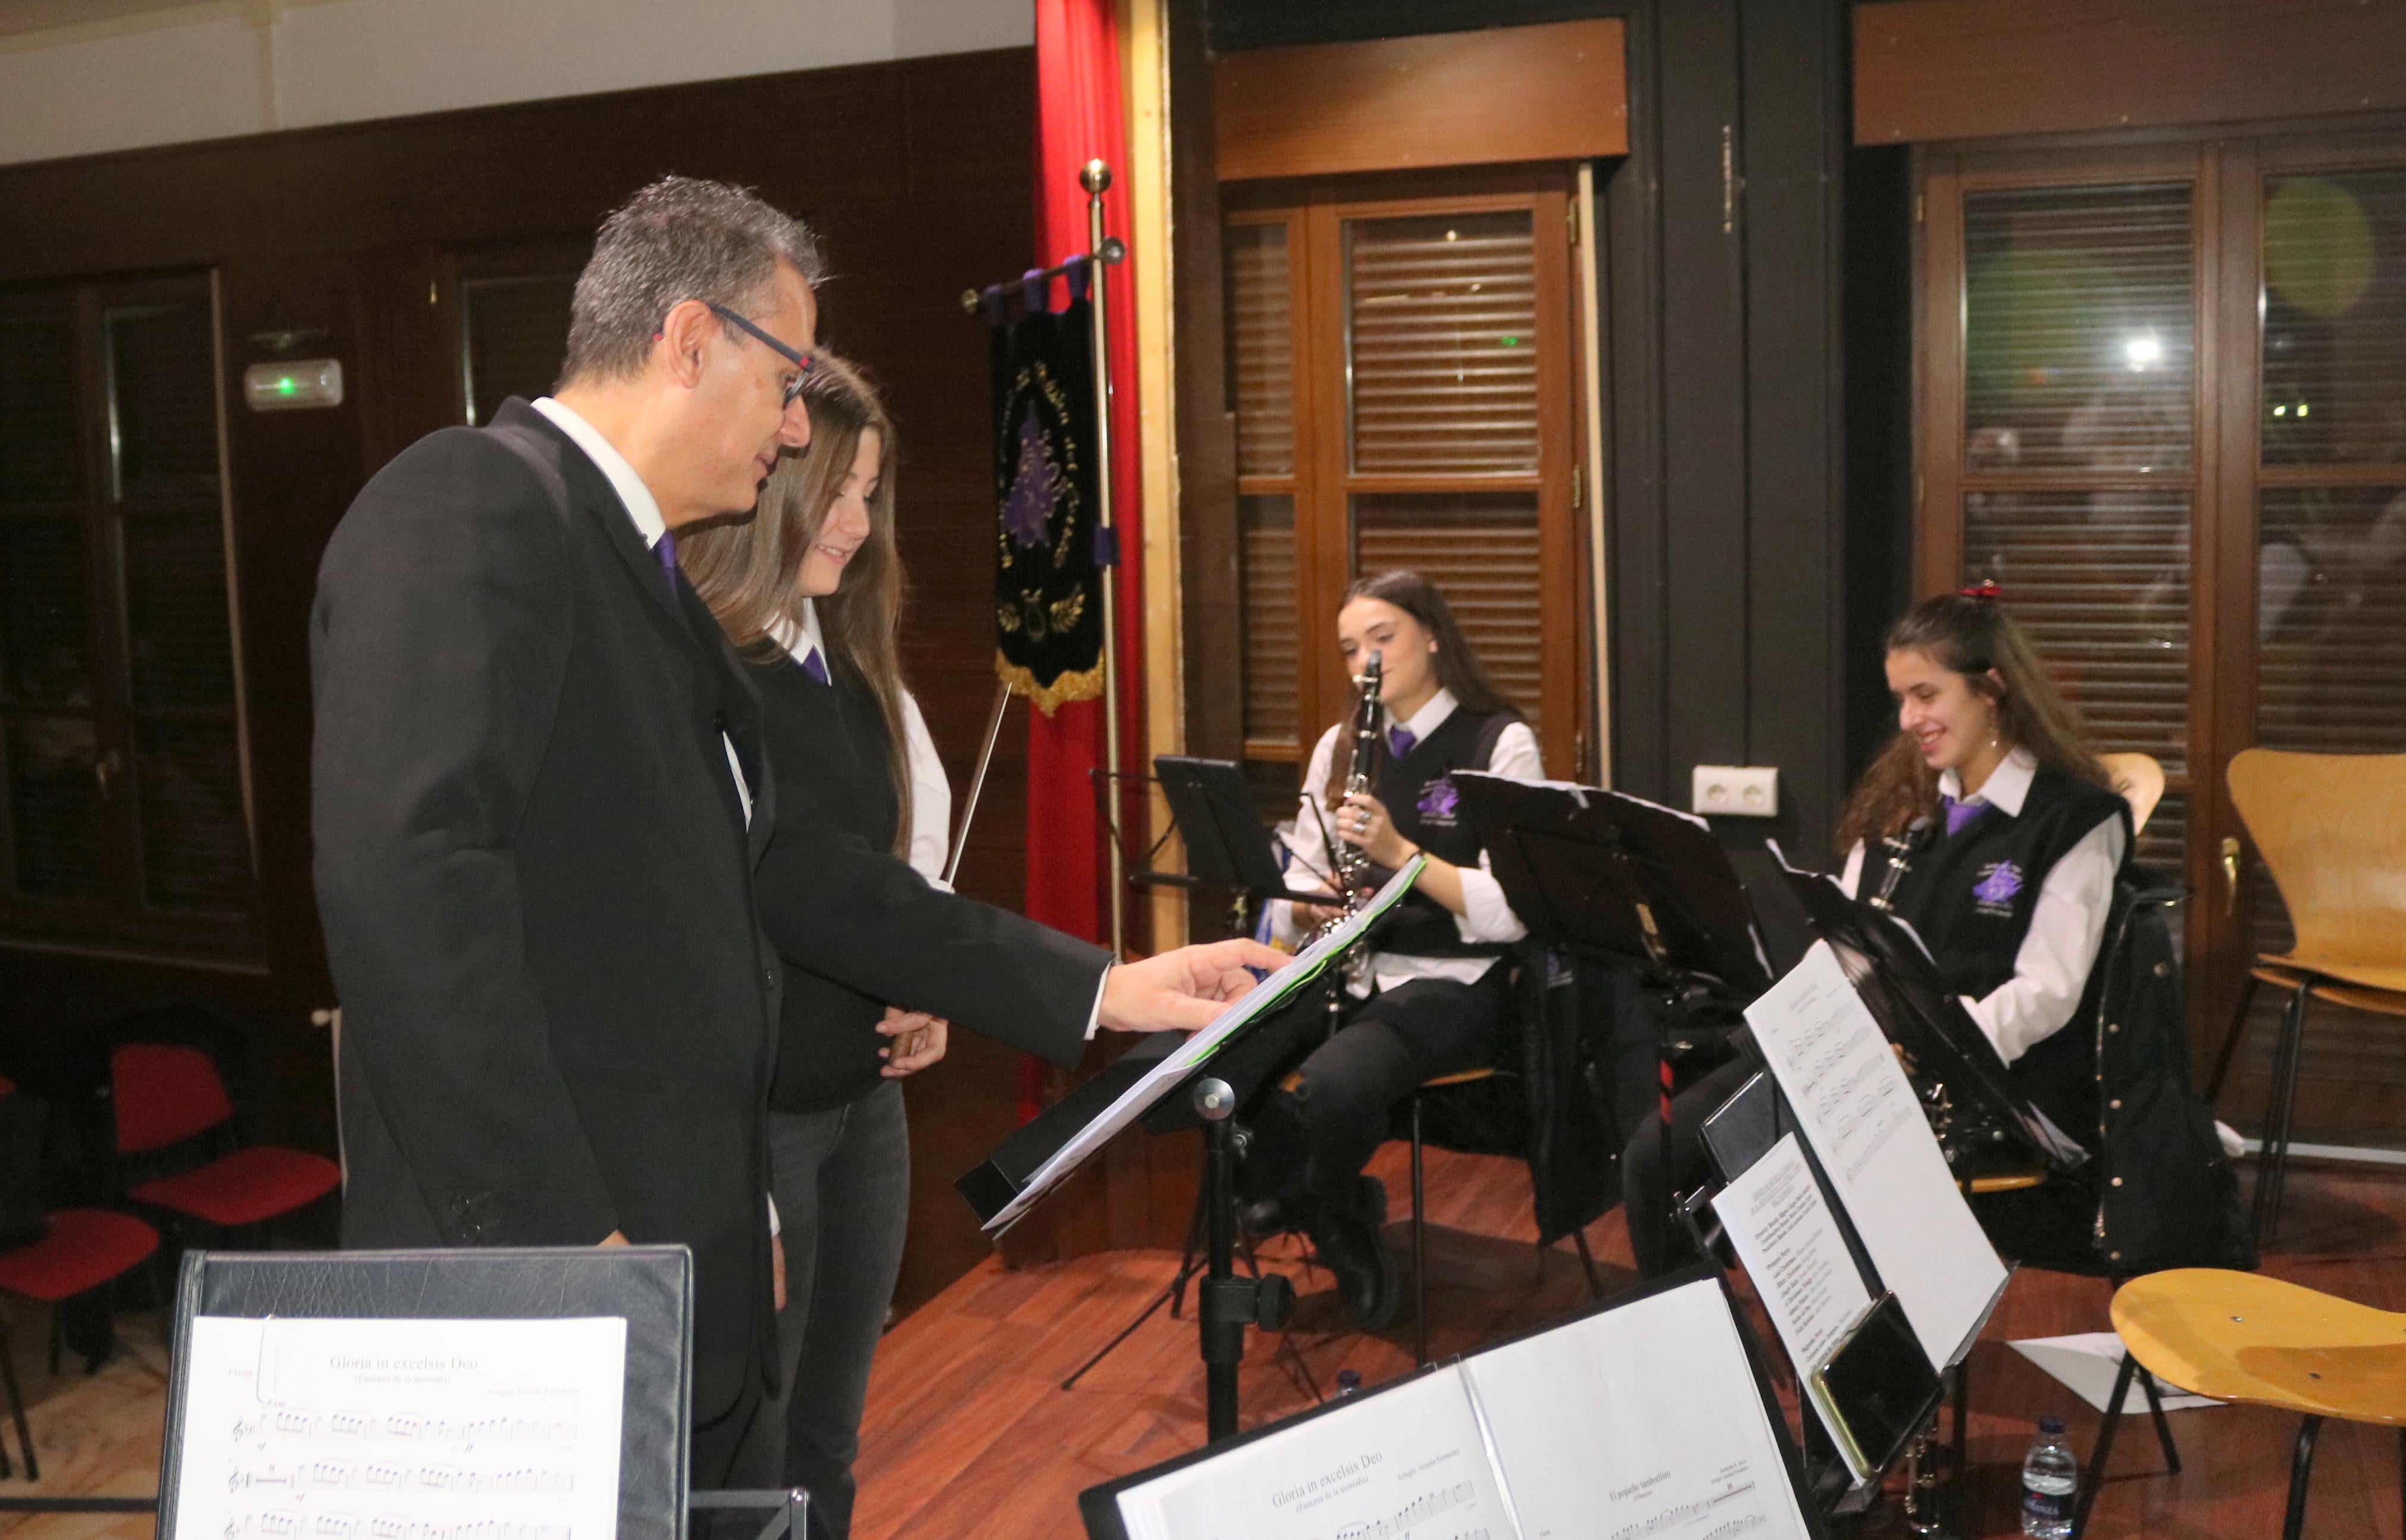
(163, 1096)
(85, 1249)
(75, 1251)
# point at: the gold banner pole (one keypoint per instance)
(1095, 177)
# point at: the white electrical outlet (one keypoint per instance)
(1737, 791)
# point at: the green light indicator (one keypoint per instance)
(288, 385)
(1511, 342)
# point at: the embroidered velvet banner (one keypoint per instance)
(1048, 593)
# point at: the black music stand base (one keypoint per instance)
(1227, 1304)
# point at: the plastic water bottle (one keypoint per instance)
(1349, 1382)
(2050, 1483)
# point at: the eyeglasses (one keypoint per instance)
(801, 361)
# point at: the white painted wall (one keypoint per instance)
(178, 73)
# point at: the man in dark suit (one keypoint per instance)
(540, 794)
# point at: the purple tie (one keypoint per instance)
(816, 666)
(1959, 813)
(1401, 740)
(665, 548)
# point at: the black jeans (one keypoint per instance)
(841, 1178)
(1666, 1161)
(1313, 1141)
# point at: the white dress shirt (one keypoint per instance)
(1488, 918)
(645, 509)
(931, 789)
(2067, 926)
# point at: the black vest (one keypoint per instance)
(1971, 897)
(828, 746)
(1418, 791)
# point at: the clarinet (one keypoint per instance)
(1351, 862)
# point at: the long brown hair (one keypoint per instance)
(749, 572)
(1458, 667)
(1968, 635)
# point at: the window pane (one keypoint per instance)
(163, 399)
(176, 611)
(517, 338)
(1260, 350)
(37, 402)
(2334, 309)
(2101, 582)
(2331, 619)
(1266, 527)
(54, 807)
(43, 633)
(1481, 549)
(195, 852)
(2077, 310)
(1442, 319)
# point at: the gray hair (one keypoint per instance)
(680, 238)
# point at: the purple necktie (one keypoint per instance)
(1959, 813)
(665, 548)
(1401, 740)
(816, 666)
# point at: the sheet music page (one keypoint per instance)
(427, 1429)
(1173, 1067)
(1858, 1112)
(1789, 1241)
(1407, 1464)
(1644, 1422)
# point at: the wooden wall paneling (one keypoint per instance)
(1704, 420)
(1793, 161)
(1538, 93)
(1964, 69)
(915, 171)
(1938, 377)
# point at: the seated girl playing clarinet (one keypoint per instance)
(1434, 994)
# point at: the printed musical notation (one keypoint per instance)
(1400, 1524)
(280, 1524)
(402, 1429)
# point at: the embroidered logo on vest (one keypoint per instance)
(1440, 801)
(1998, 885)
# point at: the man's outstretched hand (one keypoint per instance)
(1183, 991)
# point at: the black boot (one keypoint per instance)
(1346, 1235)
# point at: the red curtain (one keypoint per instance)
(1078, 119)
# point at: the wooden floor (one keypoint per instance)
(968, 1435)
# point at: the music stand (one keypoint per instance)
(1007, 1185)
(1225, 843)
(1890, 968)
(1603, 872)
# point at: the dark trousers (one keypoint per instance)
(841, 1178)
(1312, 1141)
(1666, 1161)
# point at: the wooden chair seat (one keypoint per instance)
(2003, 1181)
(1460, 1076)
(2374, 981)
(2242, 1336)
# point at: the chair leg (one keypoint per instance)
(2230, 1040)
(2301, 1471)
(2280, 1109)
(1959, 1481)
(2163, 1426)
(2096, 1476)
(17, 1409)
(1420, 1244)
(1587, 1260)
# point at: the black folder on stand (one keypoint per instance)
(1605, 872)
(1892, 971)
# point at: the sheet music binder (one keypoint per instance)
(651, 1287)
(1022, 1169)
(1100, 1509)
(1604, 872)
